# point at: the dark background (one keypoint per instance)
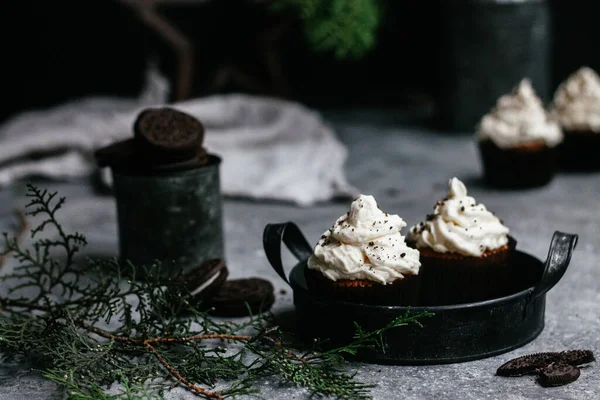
(61, 50)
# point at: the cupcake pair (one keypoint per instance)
(522, 145)
(460, 253)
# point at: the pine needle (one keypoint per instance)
(347, 28)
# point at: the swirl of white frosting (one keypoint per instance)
(365, 243)
(460, 225)
(577, 101)
(519, 118)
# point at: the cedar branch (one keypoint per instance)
(173, 371)
(133, 341)
(147, 343)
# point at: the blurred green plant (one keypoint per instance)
(347, 28)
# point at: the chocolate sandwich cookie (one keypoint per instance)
(242, 297)
(577, 357)
(199, 159)
(125, 157)
(116, 153)
(172, 134)
(558, 374)
(202, 282)
(165, 140)
(528, 364)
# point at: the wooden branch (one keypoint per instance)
(173, 371)
(148, 343)
(182, 46)
(272, 59)
(194, 338)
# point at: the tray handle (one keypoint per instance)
(292, 237)
(559, 256)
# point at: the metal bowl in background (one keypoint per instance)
(455, 333)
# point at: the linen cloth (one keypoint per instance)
(271, 148)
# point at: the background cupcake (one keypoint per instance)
(518, 141)
(465, 251)
(577, 107)
(363, 258)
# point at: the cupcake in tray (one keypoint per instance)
(518, 141)
(577, 107)
(465, 251)
(363, 258)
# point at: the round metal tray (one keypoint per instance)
(456, 333)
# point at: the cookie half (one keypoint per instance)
(170, 133)
(242, 297)
(528, 364)
(558, 374)
(202, 282)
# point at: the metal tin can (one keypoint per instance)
(173, 217)
(489, 46)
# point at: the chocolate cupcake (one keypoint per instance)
(518, 141)
(577, 107)
(465, 251)
(363, 258)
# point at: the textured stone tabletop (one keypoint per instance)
(407, 171)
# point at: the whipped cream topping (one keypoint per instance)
(460, 225)
(577, 101)
(519, 118)
(365, 243)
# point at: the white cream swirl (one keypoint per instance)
(365, 243)
(519, 118)
(460, 225)
(577, 101)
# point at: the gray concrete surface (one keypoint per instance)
(406, 170)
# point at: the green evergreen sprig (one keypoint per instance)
(87, 327)
(348, 28)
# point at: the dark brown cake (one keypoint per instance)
(576, 106)
(525, 166)
(401, 292)
(453, 278)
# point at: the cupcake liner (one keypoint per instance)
(519, 167)
(401, 292)
(452, 278)
(578, 152)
